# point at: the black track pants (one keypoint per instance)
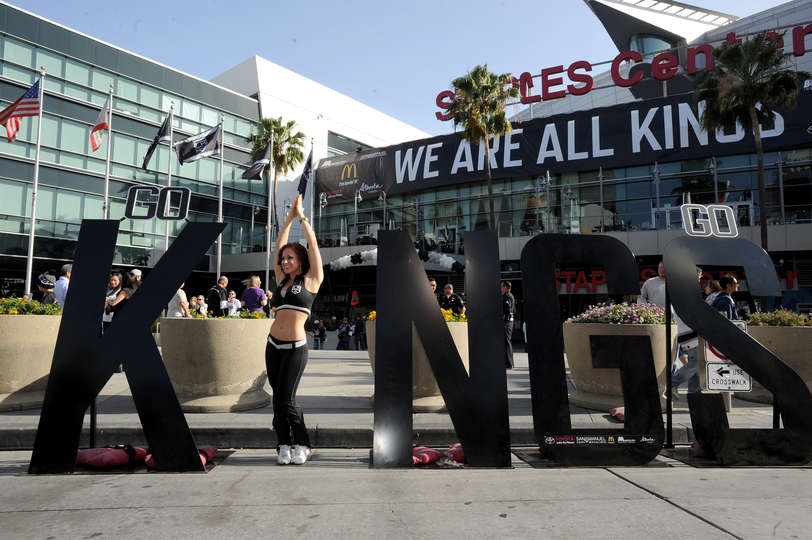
(285, 368)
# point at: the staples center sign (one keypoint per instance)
(664, 66)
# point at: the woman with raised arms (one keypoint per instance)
(299, 275)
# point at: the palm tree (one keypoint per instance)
(747, 83)
(287, 151)
(479, 107)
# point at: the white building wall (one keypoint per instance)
(317, 110)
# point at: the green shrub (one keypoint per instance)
(779, 317)
(18, 306)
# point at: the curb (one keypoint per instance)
(333, 437)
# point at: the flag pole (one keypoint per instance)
(105, 204)
(313, 187)
(29, 263)
(169, 171)
(220, 197)
(268, 228)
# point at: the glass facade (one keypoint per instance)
(624, 199)
(79, 73)
(648, 45)
(338, 145)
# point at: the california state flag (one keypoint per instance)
(101, 125)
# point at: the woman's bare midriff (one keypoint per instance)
(289, 325)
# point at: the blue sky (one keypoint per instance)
(394, 57)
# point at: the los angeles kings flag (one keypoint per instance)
(201, 145)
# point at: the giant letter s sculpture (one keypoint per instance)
(739, 446)
(84, 360)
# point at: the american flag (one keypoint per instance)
(27, 105)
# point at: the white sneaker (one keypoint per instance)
(300, 454)
(284, 454)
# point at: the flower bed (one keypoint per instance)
(621, 314)
(243, 314)
(788, 335)
(779, 317)
(600, 388)
(18, 306)
(448, 315)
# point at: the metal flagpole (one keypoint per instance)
(268, 228)
(29, 263)
(169, 171)
(220, 197)
(106, 205)
(313, 188)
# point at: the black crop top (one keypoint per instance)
(296, 297)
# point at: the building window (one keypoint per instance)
(338, 144)
(647, 45)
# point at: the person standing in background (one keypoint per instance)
(267, 308)
(317, 342)
(217, 298)
(653, 291)
(61, 285)
(234, 305)
(45, 284)
(254, 298)
(344, 333)
(712, 290)
(178, 305)
(451, 301)
(202, 308)
(724, 302)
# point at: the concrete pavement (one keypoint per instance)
(336, 495)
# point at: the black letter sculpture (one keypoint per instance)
(708, 418)
(84, 360)
(477, 403)
(642, 435)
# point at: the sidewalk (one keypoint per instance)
(335, 395)
(336, 495)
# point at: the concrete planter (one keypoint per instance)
(27, 345)
(601, 388)
(793, 345)
(216, 365)
(425, 391)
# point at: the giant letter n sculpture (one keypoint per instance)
(84, 361)
(477, 403)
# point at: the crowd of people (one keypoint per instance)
(219, 301)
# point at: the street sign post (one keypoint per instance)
(721, 374)
(728, 377)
